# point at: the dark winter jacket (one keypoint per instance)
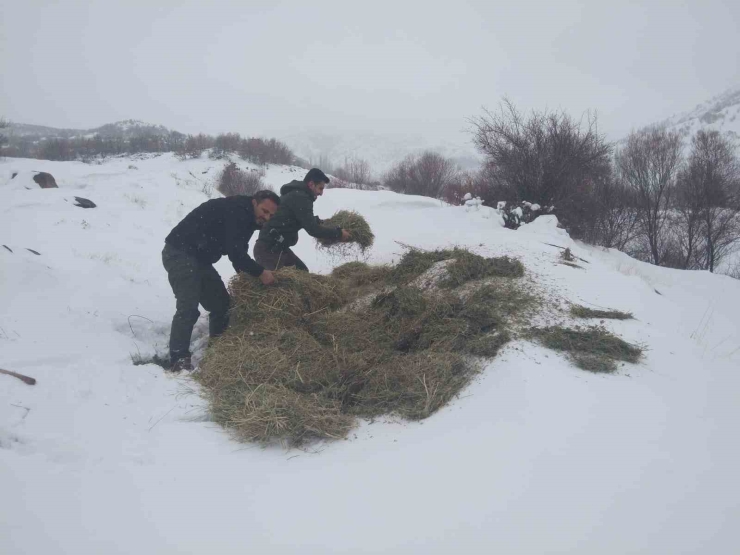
(294, 213)
(218, 227)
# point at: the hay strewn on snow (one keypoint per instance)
(592, 348)
(301, 361)
(359, 230)
(307, 356)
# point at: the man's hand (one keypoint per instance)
(345, 236)
(267, 277)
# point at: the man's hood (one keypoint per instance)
(296, 186)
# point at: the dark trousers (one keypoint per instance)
(193, 283)
(274, 260)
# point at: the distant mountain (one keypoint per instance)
(380, 150)
(125, 129)
(721, 113)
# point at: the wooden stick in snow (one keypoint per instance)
(27, 379)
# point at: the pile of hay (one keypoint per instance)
(306, 357)
(360, 233)
(301, 361)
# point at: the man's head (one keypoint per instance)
(265, 205)
(316, 180)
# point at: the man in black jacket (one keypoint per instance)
(217, 227)
(273, 247)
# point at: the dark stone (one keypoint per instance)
(13, 176)
(84, 203)
(45, 180)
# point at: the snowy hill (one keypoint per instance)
(122, 129)
(102, 456)
(721, 113)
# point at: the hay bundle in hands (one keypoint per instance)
(360, 233)
(301, 361)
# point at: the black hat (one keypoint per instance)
(315, 175)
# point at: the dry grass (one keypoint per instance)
(591, 348)
(357, 226)
(302, 361)
(299, 363)
(584, 312)
(466, 266)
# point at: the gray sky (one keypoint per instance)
(414, 67)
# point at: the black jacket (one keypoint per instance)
(218, 227)
(295, 213)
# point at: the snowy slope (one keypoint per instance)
(721, 113)
(537, 457)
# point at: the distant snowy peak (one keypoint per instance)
(721, 113)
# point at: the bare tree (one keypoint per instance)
(4, 124)
(712, 182)
(547, 157)
(354, 170)
(426, 175)
(194, 145)
(649, 164)
(615, 221)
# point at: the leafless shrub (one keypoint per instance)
(194, 145)
(265, 151)
(427, 175)
(614, 222)
(355, 172)
(225, 144)
(478, 184)
(338, 183)
(4, 124)
(547, 158)
(232, 181)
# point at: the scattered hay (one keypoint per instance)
(584, 312)
(301, 361)
(591, 348)
(357, 226)
(466, 266)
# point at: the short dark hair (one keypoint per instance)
(315, 175)
(260, 196)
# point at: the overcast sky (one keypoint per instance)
(402, 67)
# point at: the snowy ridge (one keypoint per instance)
(101, 456)
(124, 129)
(721, 113)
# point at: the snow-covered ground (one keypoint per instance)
(536, 457)
(720, 113)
